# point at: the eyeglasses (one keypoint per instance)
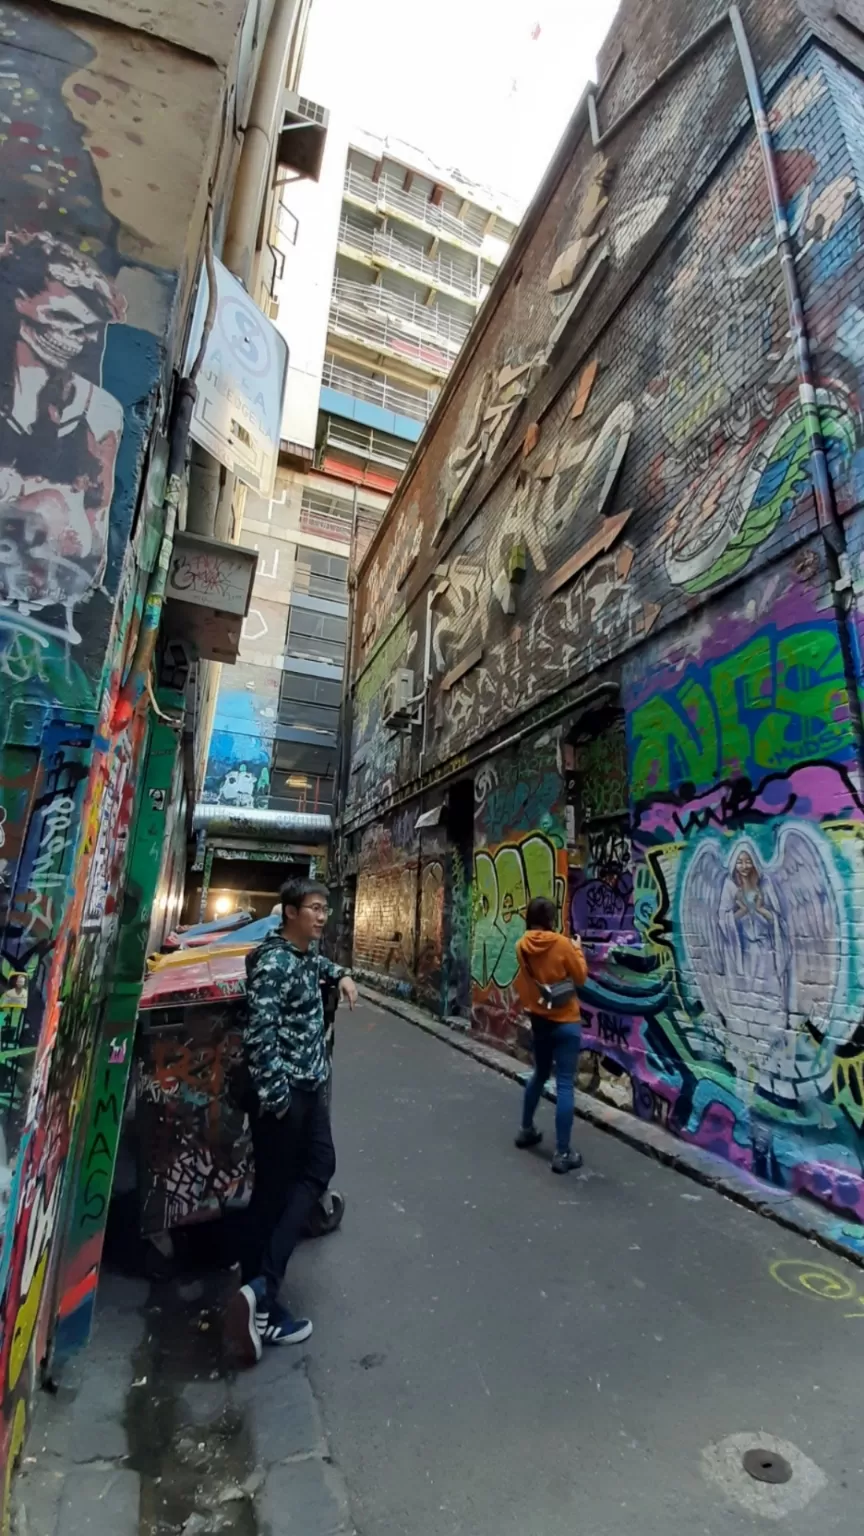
(317, 909)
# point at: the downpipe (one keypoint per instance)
(256, 157)
(827, 517)
(136, 683)
(826, 510)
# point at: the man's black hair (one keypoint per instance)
(542, 913)
(294, 893)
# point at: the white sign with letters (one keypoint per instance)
(238, 413)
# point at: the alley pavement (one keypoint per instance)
(497, 1351)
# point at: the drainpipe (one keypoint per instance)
(253, 172)
(826, 510)
(823, 490)
(213, 489)
(184, 404)
(345, 710)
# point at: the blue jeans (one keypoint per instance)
(557, 1044)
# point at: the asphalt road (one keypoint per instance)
(502, 1352)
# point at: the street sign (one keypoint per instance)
(238, 413)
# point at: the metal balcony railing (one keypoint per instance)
(431, 321)
(377, 331)
(366, 443)
(376, 391)
(388, 194)
(440, 271)
(325, 525)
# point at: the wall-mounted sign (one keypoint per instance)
(209, 587)
(238, 413)
(211, 573)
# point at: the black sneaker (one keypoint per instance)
(528, 1138)
(332, 1218)
(566, 1162)
(327, 1215)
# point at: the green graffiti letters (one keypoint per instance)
(778, 701)
(504, 882)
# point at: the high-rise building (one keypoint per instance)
(381, 265)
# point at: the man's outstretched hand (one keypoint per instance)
(348, 991)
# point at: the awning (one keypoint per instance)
(429, 818)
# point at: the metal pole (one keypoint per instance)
(822, 488)
(345, 722)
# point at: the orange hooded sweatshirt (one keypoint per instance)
(550, 957)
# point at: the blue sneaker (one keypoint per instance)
(245, 1316)
(282, 1328)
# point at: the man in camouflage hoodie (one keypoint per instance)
(288, 1064)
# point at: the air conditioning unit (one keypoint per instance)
(300, 145)
(399, 704)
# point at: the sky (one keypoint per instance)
(486, 86)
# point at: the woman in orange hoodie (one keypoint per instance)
(547, 957)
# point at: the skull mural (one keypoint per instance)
(59, 431)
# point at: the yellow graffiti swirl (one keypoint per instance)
(813, 1280)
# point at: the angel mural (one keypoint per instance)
(762, 943)
(59, 428)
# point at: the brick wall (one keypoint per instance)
(616, 494)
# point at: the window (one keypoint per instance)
(308, 717)
(311, 690)
(320, 575)
(292, 759)
(316, 636)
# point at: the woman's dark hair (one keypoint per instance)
(542, 913)
(294, 893)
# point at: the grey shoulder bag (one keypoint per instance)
(553, 994)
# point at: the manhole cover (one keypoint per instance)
(766, 1466)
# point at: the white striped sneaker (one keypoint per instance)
(282, 1328)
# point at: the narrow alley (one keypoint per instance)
(495, 1351)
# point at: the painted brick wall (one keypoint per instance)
(696, 376)
(109, 141)
(618, 492)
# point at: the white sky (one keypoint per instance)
(464, 80)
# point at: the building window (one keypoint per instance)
(316, 636)
(309, 703)
(320, 575)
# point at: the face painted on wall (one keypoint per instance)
(57, 325)
(59, 429)
(746, 874)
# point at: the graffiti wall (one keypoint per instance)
(617, 499)
(244, 730)
(735, 1019)
(377, 753)
(520, 852)
(431, 956)
(670, 458)
(600, 874)
(386, 908)
(195, 1150)
(93, 281)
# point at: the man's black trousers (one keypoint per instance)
(294, 1163)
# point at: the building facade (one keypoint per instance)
(126, 170)
(383, 264)
(608, 640)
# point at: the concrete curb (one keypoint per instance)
(788, 1211)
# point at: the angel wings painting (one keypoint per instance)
(762, 942)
